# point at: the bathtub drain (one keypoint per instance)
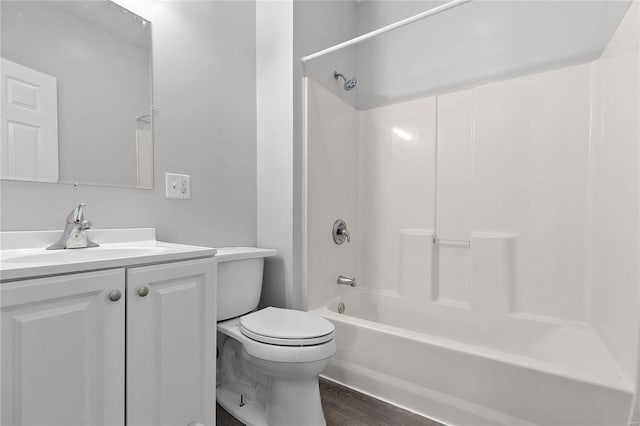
(341, 308)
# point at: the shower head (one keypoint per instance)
(348, 84)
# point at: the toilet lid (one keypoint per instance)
(286, 327)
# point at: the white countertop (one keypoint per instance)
(24, 254)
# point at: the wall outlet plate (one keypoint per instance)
(177, 186)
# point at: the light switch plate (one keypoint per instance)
(177, 186)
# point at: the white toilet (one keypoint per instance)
(268, 360)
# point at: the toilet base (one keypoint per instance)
(251, 414)
(266, 393)
(278, 389)
(294, 404)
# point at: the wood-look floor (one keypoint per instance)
(345, 407)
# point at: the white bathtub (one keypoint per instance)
(519, 372)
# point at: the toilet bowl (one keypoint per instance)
(269, 360)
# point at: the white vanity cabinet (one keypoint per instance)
(63, 350)
(65, 345)
(171, 348)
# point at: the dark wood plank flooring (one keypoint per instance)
(345, 407)
(225, 419)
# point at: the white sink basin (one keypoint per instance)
(24, 254)
(82, 255)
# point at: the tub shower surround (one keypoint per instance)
(494, 240)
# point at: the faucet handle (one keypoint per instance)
(73, 235)
(77, 214)
(340, 232)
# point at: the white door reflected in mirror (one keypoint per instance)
(29, 112)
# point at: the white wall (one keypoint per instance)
(286, 31)
(204, 86)
(530, 142)
(476, 43)
(331, 167)
(635, 414)
(539, 173)
(274, 73)
(512, 159)
(614, 269)
(317, 24)
(103, 83)
(396, 187)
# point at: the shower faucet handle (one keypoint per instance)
(340, 232)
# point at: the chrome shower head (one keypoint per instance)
(348, 84)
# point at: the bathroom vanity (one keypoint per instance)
(90, 333)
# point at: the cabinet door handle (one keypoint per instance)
(143, 291)
(115, 295)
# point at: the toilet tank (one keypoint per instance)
(239, 279)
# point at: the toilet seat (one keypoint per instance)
(286, 342)
(277, 353)
(286, 327)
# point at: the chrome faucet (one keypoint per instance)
(344, 280)
(74, 235)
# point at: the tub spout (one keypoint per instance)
(344, 280)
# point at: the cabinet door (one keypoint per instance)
(171, 349)
(63, 350)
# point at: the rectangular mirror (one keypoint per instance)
(76, 93)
